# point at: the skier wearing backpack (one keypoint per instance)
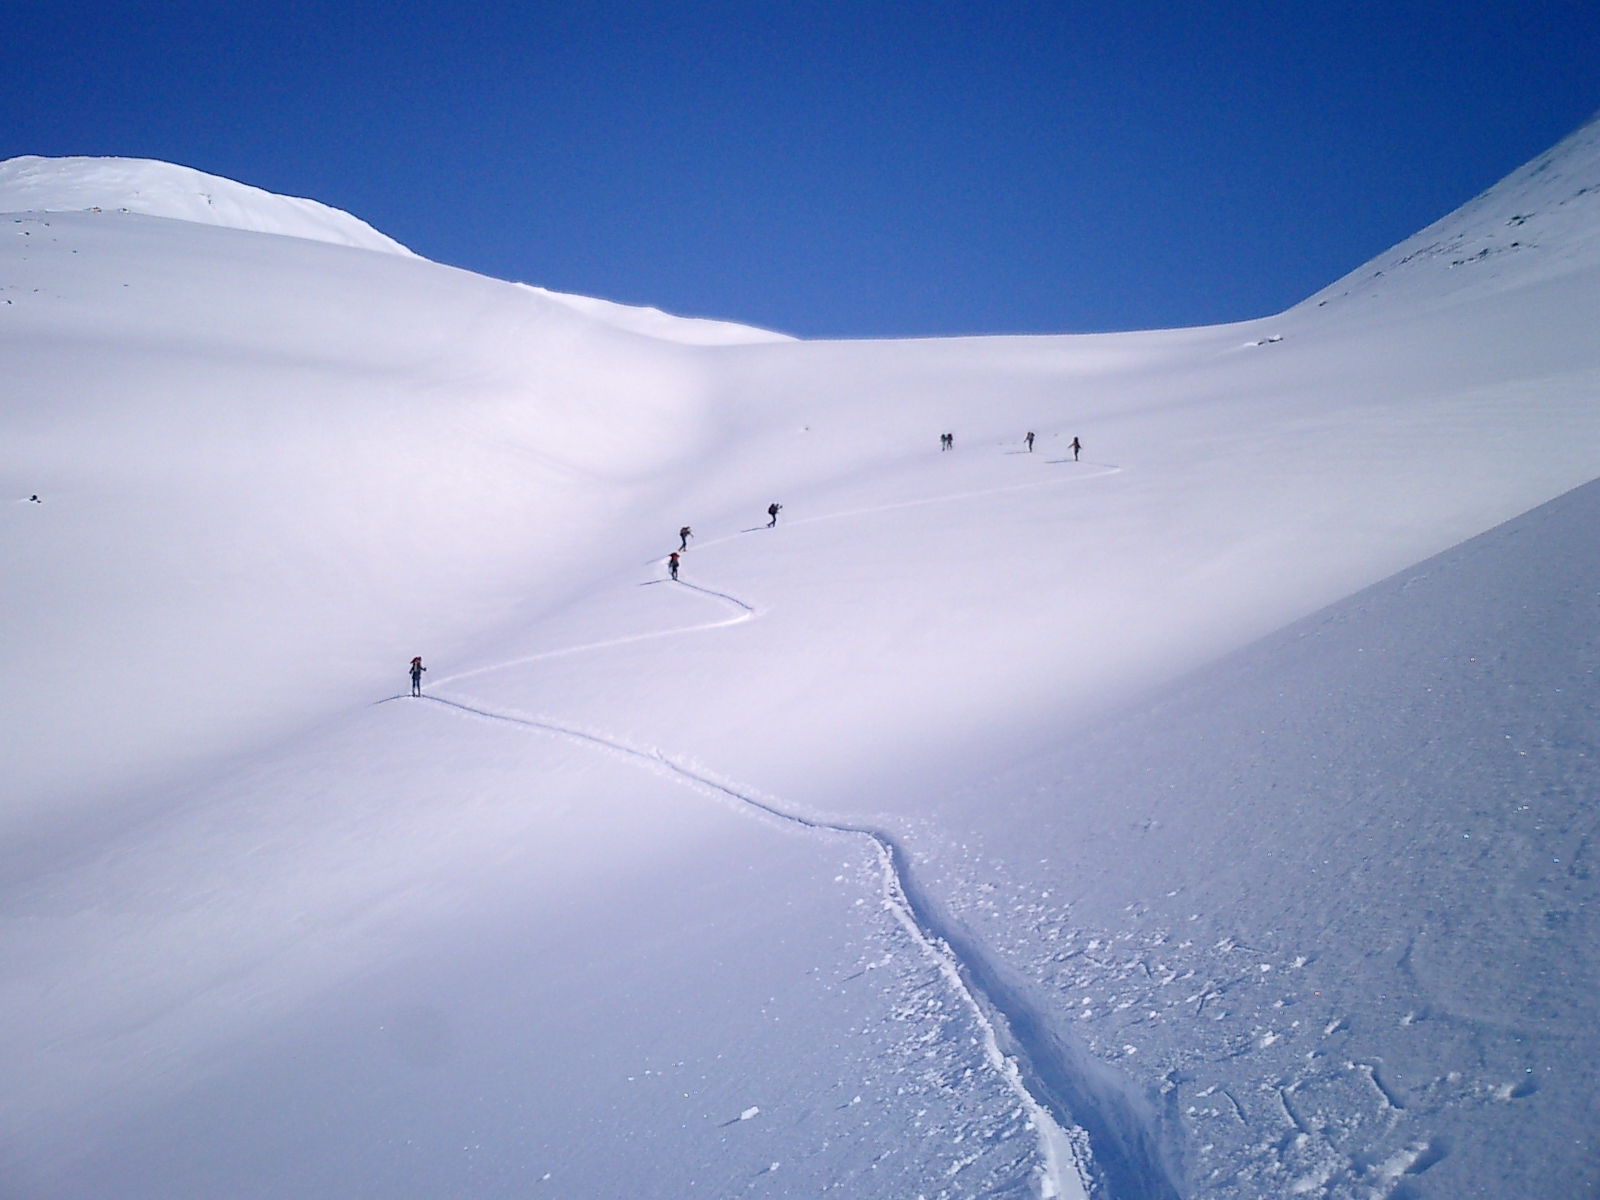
(684, 535)
(416, 675)
(772, 511)
(1029, 440)
(672, 564)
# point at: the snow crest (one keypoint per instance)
(31, 183)
(652, 322)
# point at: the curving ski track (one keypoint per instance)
(1076, 1104)
(1097, 1135)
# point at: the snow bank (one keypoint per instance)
(158, 189)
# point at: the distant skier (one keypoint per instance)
(684, 535)
(36, 499)
(1029, 440)
(672, 564)
(1076, 446)
(772, 511)
(416, 675)
(947, 441)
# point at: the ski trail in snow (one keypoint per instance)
(1064, 1149)
(1090, 1129)
(743, 612)
(1105, 470)
(1090, 1126)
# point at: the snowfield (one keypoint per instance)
(1210, 814)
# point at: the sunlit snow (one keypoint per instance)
(987, 826)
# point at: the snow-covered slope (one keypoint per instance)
(558, 921)
(1332, 899)
(30, 183)
(1541, 221)
(652, 322)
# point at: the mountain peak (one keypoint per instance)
(31, 183)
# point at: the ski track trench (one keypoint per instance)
(1095, 1135)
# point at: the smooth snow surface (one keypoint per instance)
(918, 846)
(652, 322)
(157, 189)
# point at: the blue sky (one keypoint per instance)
(839, 170)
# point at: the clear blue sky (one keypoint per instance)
(838, 170)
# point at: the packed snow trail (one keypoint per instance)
(919, 502)
(745, 612)
(1069, 1097)
(1092, 1128)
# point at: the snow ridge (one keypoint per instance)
(652, 322)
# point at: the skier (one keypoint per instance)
(947, 441)
(416, 675)
(684, 535)
(1076, 446)
(772, 511)
(672, 564)
(1029, 440)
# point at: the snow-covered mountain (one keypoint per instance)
(843, 861)
(157, 189)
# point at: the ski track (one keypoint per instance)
(1063, 1175)
(746, 612)
(1105, 469)
(1095, 1134)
